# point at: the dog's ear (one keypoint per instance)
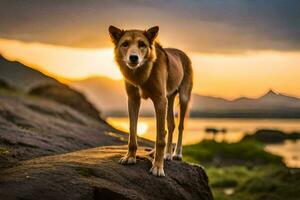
(115, 34)
(152, 33)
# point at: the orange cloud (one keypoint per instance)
(229, 75)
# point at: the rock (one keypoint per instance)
(27, 80)
(31, 127)
(21, 77)
(4, 85)
(67, 96)
(41, 120)
(96, 174)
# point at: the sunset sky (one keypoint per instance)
(238, 48)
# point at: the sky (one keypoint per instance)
(238, 47)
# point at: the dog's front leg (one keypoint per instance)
(160, 105)
(134, 102)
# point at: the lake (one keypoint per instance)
(195, 131)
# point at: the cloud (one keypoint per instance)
(206, 26)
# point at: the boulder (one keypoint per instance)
(96, 174)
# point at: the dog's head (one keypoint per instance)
(133, 47)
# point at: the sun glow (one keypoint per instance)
(59, 61)
(229, 75)
(142, 127)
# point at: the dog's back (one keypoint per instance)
(179, 67)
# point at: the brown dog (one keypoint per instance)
(151, 71)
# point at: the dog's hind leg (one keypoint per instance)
(184, 98)
(171, 126)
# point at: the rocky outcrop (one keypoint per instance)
(31, 127)
(96, 174)
(67, 96)
(27, 80)
(42, 120)
(21, 77)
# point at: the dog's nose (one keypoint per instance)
(133, 58)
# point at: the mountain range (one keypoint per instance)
(109, 96)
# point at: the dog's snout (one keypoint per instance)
(133, 58)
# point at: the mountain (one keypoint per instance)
(270, 105)
(111, 97)
(108, 95)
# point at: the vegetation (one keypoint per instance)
(244, 170)
(267, 136)
(262, 182)
(4, 150)
(83, 171)
(246, 152)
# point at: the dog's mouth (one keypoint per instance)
(133, 65)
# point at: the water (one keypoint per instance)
(195, 131)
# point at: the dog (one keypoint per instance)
(151, 71)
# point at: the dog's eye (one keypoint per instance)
(125, 44)
(142, 44)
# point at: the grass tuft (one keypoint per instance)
(4, 150)
(84, 171)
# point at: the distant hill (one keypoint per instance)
(109, 96)
(270, 105)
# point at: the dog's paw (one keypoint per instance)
(177, 157)
(168, 156)
(127, 160)
(157, 171)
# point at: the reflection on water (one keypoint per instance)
(123, 124)
(235, 129)
(289, 150)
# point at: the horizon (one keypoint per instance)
(70, 80)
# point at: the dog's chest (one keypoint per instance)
(144, 93)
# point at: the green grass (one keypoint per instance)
(4, 150)
(224, 177)
(246, 152)
(263, 182)
(245, 168)
(273, 183)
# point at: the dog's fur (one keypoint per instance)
(151, 71)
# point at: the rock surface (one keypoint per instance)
(21, 77)
(63, 94)
(41, 120)
(31, 127)
(96, 174)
